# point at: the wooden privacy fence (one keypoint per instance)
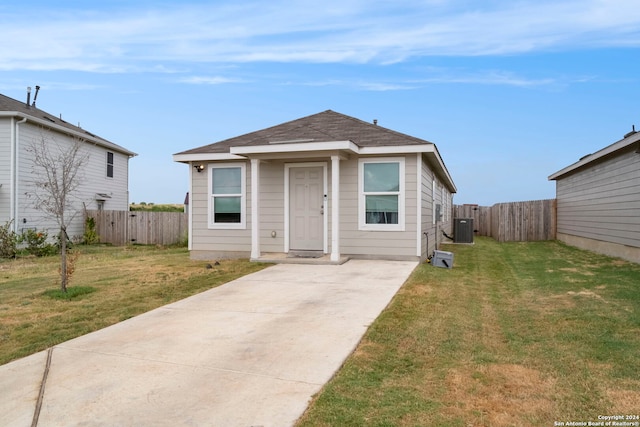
(139, 227)
(513, 222)
(481, 217)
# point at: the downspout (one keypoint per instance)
(189, 213)
(15, 178)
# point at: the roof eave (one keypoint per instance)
(616, 146)
(203, 157)
(244, 152)
(65, 130)
(305, 147)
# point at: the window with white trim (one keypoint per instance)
(381, 194)
(109, 164)
(433, 200)
(227, 196)
(444, 204)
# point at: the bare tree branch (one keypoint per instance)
(57, 169)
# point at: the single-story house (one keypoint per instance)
(322, 185)
(104, 178)
(598, 200)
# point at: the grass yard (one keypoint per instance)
(110, 284)
(517, 334)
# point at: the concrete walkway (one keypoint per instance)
(251, 352)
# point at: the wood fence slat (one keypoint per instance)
(513, 222)
(140, 227)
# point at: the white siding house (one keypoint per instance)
(598, 200)
(104, 177)
(323, 185)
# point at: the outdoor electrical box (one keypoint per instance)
(463, 230)
(442, 259)
(438, 212)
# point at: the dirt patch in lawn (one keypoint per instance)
(498, 394)
(567, 300)
(624, 401)
(587, 294)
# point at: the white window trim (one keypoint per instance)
(362, 225)
(242, 225)
(443, 209)
(433, 201)
(113, 165)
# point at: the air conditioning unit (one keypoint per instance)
(463, 230)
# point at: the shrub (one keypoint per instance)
(8, 241)
(71, 259)
(36, 243)
(90, 236)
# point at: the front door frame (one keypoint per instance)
(325, 220)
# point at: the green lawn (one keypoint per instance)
(516, 334)
(110, 284)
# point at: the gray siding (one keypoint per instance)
(93, 180)
(602, 202)
(5, 170)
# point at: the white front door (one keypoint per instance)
(306, 215)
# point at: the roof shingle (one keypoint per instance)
(321, 127)
(11, 105)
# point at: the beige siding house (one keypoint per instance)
(104, 178)
(324, 185)
(599, 200)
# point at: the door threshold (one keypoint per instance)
(284, 258)
(305, 254)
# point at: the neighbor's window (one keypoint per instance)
(381, 194)
(109, 164)
(227, 196)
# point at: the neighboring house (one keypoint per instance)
(598, 200)
(104, 178)
(323, 184)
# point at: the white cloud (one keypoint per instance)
(130, 39)
(209, 80)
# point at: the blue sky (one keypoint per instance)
(509, 91)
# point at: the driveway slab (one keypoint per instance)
(251, 352)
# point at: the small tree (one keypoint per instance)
(56, 177)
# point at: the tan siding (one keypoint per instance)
(434, 231)
(205, 239)
(429, 241)
(272, 206)
(603, 201)
(376, 243)
(353, 241)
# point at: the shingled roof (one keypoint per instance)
(22, 109)
(321, 127)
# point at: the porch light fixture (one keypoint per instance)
(198, 168)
